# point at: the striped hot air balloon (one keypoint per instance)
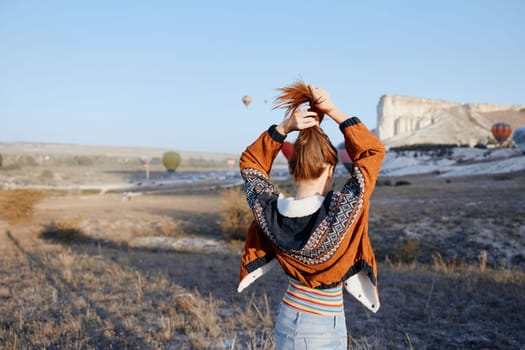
(501, 132)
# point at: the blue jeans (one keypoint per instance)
(296, 330)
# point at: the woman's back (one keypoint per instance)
(319, 237)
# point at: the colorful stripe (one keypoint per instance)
(316, 301)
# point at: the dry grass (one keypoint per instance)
(235, 215)
(18, 205)
(254, 315)
(101, 297)
(167, 227)
(202, 323)
(90, 299)
(483, 260)
(65, 262)
(93, 300)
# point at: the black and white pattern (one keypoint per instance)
(327, 236)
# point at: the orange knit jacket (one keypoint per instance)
(338, 249)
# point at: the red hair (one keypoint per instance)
(312, 150)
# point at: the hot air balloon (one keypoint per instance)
(246, 100)
(287, 149)
(519, 138)
(343, 156)
(501, 132)
(171, 161)
(145, 162)
(230, 161)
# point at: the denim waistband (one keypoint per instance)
(302, 317)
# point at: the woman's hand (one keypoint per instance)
(299, 120)
(321, 100)
(323, 103)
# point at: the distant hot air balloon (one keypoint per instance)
(501, 132)
(519, 138)
(171, 161)
(343, 156)
(246, 100)
(230, 161)
(145, 161)
(287, 149)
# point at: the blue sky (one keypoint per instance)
(171, 74)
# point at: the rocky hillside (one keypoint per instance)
(403, 120)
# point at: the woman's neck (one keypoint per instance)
(310, 188)
(319, 186)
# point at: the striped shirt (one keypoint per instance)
(316, 301)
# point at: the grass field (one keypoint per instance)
(451, 272)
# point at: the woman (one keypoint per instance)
(319, 236)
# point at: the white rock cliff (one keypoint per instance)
(403, 120)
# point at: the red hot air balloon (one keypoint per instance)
(343, 156)
(287, 149)
(246, 100)
(501, 132)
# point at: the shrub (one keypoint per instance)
(90, 191)
(26, 160)
(503, 177)
(167, 227)
(83, 160)
(235, 215)
(17, 205)
(1, 160)
(13, 166)
(65, 229)
(408, 252)
(46, 174)
(402, 183)
(386, 182)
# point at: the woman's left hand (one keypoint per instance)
(322, 100)
(300, 119)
